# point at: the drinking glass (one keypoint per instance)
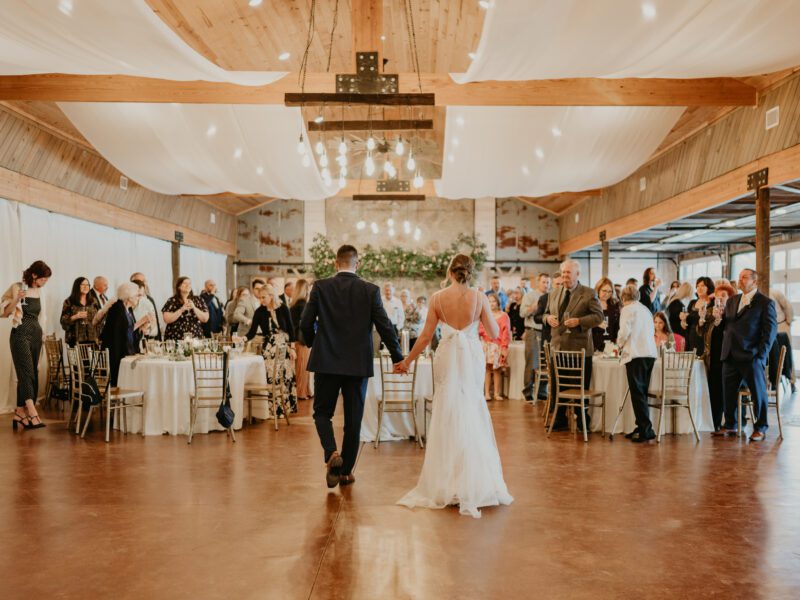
(24, 288)
(566, 318)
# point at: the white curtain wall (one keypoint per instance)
(74, 248)
(200, 265)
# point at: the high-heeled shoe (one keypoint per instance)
(20, 420)
(34, 425)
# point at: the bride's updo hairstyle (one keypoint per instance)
(462, 267)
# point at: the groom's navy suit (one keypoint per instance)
(337, 324)
(749, 335)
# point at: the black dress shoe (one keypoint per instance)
(640, 438)
(630, 435)
(334, 470)
(561, 427)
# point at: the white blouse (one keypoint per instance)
(636, 337)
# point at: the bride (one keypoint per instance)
(461, 465)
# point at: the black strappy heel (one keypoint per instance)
(20, 420)
(35, 425)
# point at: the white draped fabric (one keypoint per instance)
(72, 248)
(200, 265)
(535, 151)
(203, 148)
(102, 37)
(510, 151)
(542, 39)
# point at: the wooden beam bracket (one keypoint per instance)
(311, 99)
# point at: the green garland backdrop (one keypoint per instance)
(395, 262)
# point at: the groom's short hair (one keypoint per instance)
(346, 255)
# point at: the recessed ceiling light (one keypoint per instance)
(648, 11)
(539, 153)
(237, 154)
(383, 38)
(284, 56)
(455, 141)
(451, 158)
(255, 3)
(556, 132)
(472, 56)
(260, 170)
(66, 6)
(525, 170)
(211, 131)
(460, 121)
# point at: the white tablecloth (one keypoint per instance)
(167, 384)
(609, 376)
(396, 426)
(516, 370)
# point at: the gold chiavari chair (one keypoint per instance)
(210, 371)
(429, 399)
(76, 395)
(255, 346)
(275, 394)
(774, 393)
(397, 395)
(542, 374)
(571, 391)
(675, 374)
(57, 376)
(548, 367)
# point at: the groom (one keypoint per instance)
(337, 326)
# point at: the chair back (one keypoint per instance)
(546, 353)
(75, 372)
(397, 386)
(54, 348)
(101, 370)
(775, 385)
(210, 375)
(676, 371)
(85, 352)
(255, 346)
(569, 369)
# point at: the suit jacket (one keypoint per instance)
(99, 299)
(750, 334)
(214, 323)
(583, 305)
(541, 308)
(344, 309)
(296, 312)
(119, 337)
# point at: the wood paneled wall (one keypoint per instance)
(30, 151)
(737, 139)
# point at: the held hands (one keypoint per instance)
(401, 368)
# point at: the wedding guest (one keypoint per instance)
(618, 290)
(209, 296)
(496, 350)
(525, 285)
(533, 334)
(184, 313)
(649, 291)
(608, 329)
(785, 316)
(393, 306)
(98, 292)
(274, 321)
(697, 311)
(665, 335)
(541, 308)
(751, 326)
(24, 303)
(677, 306)
(631, 281)
(288, 291)
(713, 331)
(638, 351)
(78, 313)
(413, 321)
(122, 331)
(494, 288)
(673, 288)
(242, 311)
(299, 300)
(571, 313)
(512, 309)
(154, 328)
(255, 292)
(723, 281)
(230, 307)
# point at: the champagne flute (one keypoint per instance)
(24, 288)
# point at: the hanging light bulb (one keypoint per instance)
(417, 233)
(418, 181)
(301, 146)
(374, 227)
(319, 148)
(390, 222)
(326, 174)
(323, 160)
(399, 148)
(342, 182)
(306, 160)
(406, 227)
(360, 225)
(341, 160)
(369, 165)
(411, 164)
(342, 147)
(387, 166)
(392, 172)
(391, 232)
(343, 172)
(370, 143)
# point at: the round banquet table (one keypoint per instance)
(516, 370)
(395, 426)
(167, 384)
(608, 375)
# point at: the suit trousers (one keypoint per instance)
(326, 394)
(639, 371)
(531, 360)
(751, 373)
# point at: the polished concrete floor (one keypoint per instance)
(151, 518)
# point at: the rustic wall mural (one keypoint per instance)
(525, 232)
(271, 235)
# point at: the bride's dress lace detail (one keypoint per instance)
(462, 465)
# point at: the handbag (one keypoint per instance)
(225, 414)
(90, 391)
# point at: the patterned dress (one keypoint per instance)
(275, 327)
(26, 345)
(187, 322)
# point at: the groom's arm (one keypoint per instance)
(385, 328)
(309, 316)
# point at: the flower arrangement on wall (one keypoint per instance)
(396, 262)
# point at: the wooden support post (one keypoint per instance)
(605, 251)
(176, 261)
(762, 239)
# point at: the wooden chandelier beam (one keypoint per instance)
(721, 91)
(366, 17)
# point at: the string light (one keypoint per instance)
(417, 234)
(306, 160)
(407, 227)
(399, 147)
(411, 164)
(370, 143)
(374, 227)
(301, 146)
(342, 147)
(320, 147)
(418, 181)
(369, 164)
(323, 160)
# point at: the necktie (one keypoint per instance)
(564, 304)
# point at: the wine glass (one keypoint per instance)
(24, 288)
(565, 319)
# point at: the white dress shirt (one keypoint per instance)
(394, 308)
(746, 299)
(527, 308)
(636, 337)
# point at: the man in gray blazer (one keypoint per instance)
(571, 312)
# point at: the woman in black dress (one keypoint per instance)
(608, 330)
(184, 313)
(677, 305)
(77, 314)
(273, 320)
(121, 332)
(698, 310)
(24, 304)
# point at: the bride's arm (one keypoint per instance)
(489, 323)
(425, 336)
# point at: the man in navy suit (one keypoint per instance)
(751, 325)
(344, 309)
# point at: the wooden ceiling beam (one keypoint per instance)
(366, 17)
(721, 91)
(373, 125)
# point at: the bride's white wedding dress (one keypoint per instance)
(462, 465)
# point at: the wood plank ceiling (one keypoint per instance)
(239, 37)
